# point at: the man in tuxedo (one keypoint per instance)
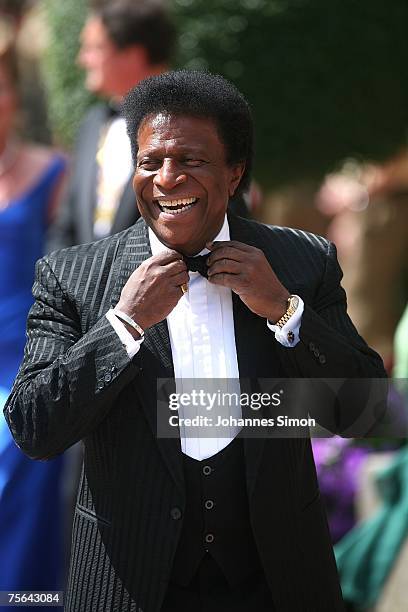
(122, 43)
(188, 523)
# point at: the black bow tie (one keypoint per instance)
(197, 264)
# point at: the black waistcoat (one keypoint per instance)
(216, 518)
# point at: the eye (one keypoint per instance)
(149, 164)
(193, 163)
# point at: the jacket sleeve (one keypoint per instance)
(68, 381)
(332, 355)
(330, 345)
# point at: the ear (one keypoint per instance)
(235, 178)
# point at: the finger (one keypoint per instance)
(166, 257)
(174, 267)
(225, 265)
(180, 279)
(226, 280)
(226, 252)
(232, 243)
(174, 293)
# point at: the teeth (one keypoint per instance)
(175, 207)
(171, 203)
(176, 211)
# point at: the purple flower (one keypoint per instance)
(338, 463)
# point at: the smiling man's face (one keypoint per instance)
(182, 180)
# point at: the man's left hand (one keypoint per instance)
(247, 272)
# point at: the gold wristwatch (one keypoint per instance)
(293, 303)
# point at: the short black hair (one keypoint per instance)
(196, 94)
(140, 22)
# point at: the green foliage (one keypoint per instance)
(325, 80)
(67, 97)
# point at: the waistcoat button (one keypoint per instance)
(175, 513)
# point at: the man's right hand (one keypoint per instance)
(153, 289)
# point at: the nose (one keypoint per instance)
(169, 175)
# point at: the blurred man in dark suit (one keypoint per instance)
(122, 43)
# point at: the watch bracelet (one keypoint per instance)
(288, 314)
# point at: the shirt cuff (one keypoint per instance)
(288, 335)
(131, 345)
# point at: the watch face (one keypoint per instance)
(294, 302)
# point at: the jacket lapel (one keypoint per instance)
(256, 347)
(136, 250)
(246, 352)
(156, 358)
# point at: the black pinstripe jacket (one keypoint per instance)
(77, 382)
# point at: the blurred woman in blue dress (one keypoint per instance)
(30, 508)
